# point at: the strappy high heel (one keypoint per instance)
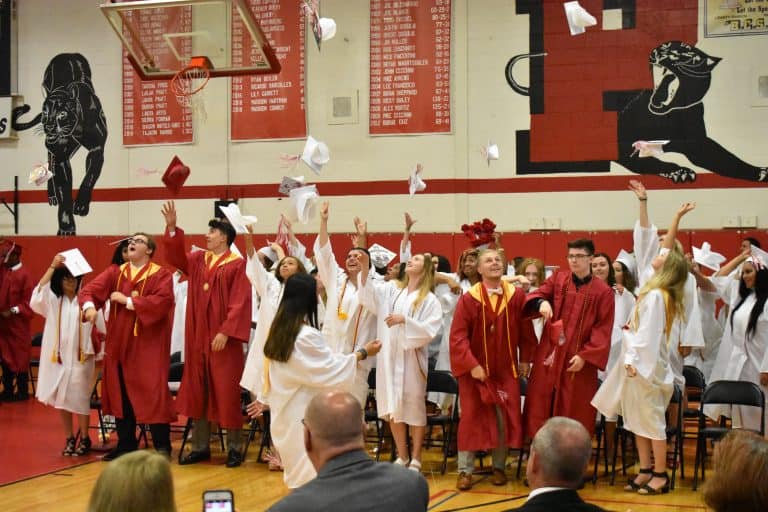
(647, 489)
(634, 487)
(69, 449)
(83, 447)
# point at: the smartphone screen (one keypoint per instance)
(218, 501)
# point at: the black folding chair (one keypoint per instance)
(724, 392)
(675, 434)
(443, 382)
(694, 388)
(34, 361)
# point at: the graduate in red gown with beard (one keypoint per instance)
(218, 324)
(563, 376)
(137, 351)
(487, 332)
(15, 314)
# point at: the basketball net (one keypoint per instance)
(188, 84)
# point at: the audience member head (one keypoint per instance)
(746, 242)
(141, 247)
(602, 268)
(299, 304)
(738, 482)
(288, 266)
(64, 283)
(624, 276)
(580, 256)
(120, 255)
(136, 482)
(560, 452)
(333, 424)
(467, 268)
(533, 270)
(221, 234)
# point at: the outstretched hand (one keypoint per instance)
(409, 221)
(685, 208)
(169, 212)
(639, 189)
(324, 211)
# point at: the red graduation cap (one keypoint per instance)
(175, 175)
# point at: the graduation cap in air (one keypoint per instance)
(303, 203)
(380, 255)
(578, 18)
(40, 174)
(287, 184)
(239, 221)
(707, 257)
(415, 183)
(175, 175)
(490, 152)
(316, 154)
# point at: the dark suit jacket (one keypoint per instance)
(353, 481)
(566, 500)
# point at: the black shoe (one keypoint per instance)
(114, 454)
(21, 396)
(234, 458)
(6, 395)
(194, 457)
(83, 447)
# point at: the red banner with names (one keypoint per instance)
(151, 114)
(410, 67)
(270, 106)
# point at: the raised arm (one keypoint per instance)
(405, 243)
(733, 264)
(39, 302)
(322, 234)
(642, 196)
(173, 241)
(361, 232)
(669, 238)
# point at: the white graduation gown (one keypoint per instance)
(402, 366)
(311, 369)
(270, 291)
(65, 385)
(740, 358)
(179, 314)
(641, 400)
(624, 305)
(347, 326)
(712, 329)
(684, 334)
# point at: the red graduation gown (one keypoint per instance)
(587, 315)
(477, 426)
(15, 339)
(138, 341)
(224, 305)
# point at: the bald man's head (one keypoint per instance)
(335, 419)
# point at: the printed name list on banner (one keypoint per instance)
(410, 66)
(270, 106)
(151, 114)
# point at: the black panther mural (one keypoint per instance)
(672, 110)
(71, 118)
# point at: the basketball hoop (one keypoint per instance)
(188, 84)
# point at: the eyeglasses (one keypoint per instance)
(578, 256)
(137, 241)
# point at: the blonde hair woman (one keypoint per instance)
(136, 482)
(408, 317)
(641, 389)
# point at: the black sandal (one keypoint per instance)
(632, 486)
(69, 449)
(647, 489)
(84, 447)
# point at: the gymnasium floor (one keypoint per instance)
(34, 477)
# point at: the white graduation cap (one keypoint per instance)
(40, 174)
(578, 18)
(195, 248)
(705, 256)
(759, 257)
(646, 148)
(628, 259)
(415, 183)
(315, 154)
(237, 219)
(380, 255)
(303, 203)
(490, 152)
(76, 262)
(550, 269)
(287, 184)
(269, 252)
(327, 28)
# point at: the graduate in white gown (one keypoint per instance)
(67, 353)
(744, 350)
(299, 365)
(409, 316)
(640, 389)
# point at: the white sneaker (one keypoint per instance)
(415, 465)
(401, 462)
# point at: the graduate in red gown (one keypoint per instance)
(218, 324)
(134, 386)
(487, 332)
(563, 376)
(15, 314)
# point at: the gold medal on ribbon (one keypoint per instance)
(492, 328)
(342, 315)
(135, 293)
(206, 286)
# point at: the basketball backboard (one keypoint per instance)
(161, 36)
